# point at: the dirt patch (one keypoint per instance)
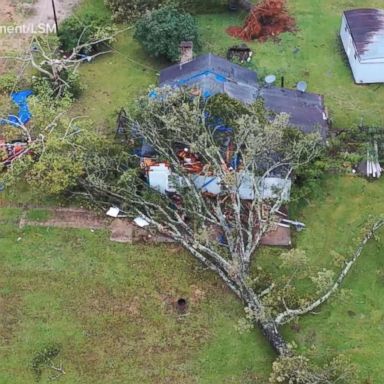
(43, 12)
(7, 14)
(9, 308)
(122, 230)
(70, 218)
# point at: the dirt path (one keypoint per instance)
(43, 12)
(122, 230)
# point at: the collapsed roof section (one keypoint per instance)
(212, 75)
(162, 179)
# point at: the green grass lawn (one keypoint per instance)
(354, 324)
(110, 307)
(351, 323)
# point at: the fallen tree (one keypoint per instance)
(263, 145)
(267, 19)
(58, 68)
(224, 230)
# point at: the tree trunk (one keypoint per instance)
(274, 337)
(264, 322)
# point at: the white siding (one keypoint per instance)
(363, 72)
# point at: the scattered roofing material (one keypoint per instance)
(370, 167)
(160, 178)
(12, 151)
(213, 75)
(367, 29)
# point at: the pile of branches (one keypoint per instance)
(267, 19)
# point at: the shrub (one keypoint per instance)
(161, 31)
(7, 82)
(74, 31)
(43, 86)
(127, 10)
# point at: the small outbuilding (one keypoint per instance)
(362, 34)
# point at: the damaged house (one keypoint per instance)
(210, 75)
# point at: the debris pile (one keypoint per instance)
(10, 151)
(240, 52)
(267, 19)
(371, 166)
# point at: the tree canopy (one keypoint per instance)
(161, 32)
(127, 10)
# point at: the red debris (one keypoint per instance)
(12, 151)
(265, 20)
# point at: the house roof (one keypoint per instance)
(205, 66)
(367, 29)
(213, 74)
(306, 110)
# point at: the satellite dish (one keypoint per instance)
(270, 79)
(301, 86)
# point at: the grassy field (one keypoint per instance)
(110, 308)
(351, 323)
(311, 54)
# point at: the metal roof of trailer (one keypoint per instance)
(367, 29)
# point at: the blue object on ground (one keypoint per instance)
(24, 114)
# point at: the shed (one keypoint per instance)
(362, 35)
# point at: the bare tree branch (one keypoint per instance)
(288, 314)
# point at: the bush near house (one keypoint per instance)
(160, 32)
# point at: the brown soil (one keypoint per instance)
(42, 13)
(122, 230)
(7, 11)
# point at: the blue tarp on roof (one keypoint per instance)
(24, 114)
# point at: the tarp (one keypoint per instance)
(24, 114)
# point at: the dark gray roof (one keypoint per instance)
(367, 29)
(213, 74)
(208, 63)
(306, 110)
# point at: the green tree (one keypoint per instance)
(74, 32)
(127, 10)
(161, 31)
